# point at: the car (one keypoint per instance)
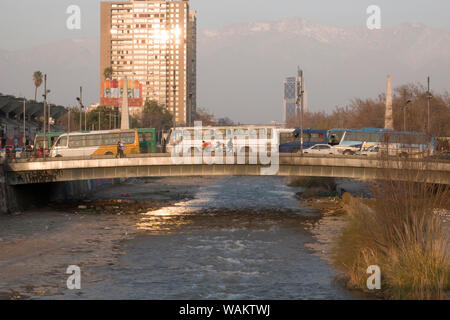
(371, 151)
(348, 150)
(441, 156)
(321, 149)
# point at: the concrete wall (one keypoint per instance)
(23, 197)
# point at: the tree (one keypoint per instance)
(107, 73)
(205, 117)
(102, 113)
(369, 113)
(37, 79)
(156, 116)
(225, 122)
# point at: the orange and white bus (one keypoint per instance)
(95, 143)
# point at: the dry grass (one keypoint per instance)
(401, 234)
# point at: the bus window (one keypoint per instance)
(128, 137)
(62, 142)
(92, 140)
(317, 138)
(76, 142)
(148, 136)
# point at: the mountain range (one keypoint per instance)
(241, 68)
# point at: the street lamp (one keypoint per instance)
(80, 101)
(24, 139)
(404, 114)
(429, 97)
(46, 92)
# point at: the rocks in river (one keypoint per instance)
(114, 207)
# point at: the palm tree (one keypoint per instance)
(37, 78)
(107, 73)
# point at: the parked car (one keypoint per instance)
(321, 149)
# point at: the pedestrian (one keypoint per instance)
(119, 150)
(123, 148)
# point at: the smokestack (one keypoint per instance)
(125, 123)
(388, 118)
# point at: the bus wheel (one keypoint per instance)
(109, 154)
(58, 156)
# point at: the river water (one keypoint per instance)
(239, 238)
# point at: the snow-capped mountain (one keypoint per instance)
(241, 68)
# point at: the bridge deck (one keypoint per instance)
(52, 170)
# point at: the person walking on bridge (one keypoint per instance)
(120, 149)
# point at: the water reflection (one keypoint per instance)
(250, 202)
(240, 238)
(166, 220)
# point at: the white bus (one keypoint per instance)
(95, 143)
(239, 139)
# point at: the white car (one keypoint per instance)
(321, 149)
(372, 151)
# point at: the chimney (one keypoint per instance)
(388, 118)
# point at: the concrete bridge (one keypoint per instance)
(161, 165)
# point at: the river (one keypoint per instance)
(238, 238)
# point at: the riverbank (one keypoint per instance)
(37, 246)
(355, 233)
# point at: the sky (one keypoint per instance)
(30, 23)
(38, 22)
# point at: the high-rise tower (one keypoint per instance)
(154, 42)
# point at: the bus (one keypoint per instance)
(95, 143)
(147, 140)
(290, 139)
(40, 138)
(245, 139)
(349, 141)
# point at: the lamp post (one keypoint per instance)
(404, 114)
(68, 121)
(300, 106)
(24, 139)
(429, 97)
(46, 92)
(80, 101)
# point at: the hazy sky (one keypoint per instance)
(29, 23)
(42, 21)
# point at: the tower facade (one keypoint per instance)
(153, 42)
(292, 89)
